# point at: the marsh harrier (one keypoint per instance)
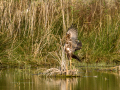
(72, 43)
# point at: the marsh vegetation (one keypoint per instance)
(32, 31)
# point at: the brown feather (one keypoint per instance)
(72, 43)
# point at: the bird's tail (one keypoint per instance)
(76, 57)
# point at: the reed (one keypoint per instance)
(31, 30)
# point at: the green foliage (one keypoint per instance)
(35, 29)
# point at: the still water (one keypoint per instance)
(25, 79)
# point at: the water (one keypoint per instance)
(20, 79)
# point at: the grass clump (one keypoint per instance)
(31, 30)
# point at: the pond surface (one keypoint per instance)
(25, 79)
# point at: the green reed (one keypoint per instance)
(31, 30)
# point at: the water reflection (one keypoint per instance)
(57, 83)
(20, 79)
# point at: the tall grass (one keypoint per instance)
(31, 30)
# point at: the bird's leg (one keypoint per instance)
(66, 70)
(70, 54)
(70, 61)
(66, 67)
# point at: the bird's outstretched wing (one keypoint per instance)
(79, 45)
(72, 33)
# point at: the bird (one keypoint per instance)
(72, 44)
